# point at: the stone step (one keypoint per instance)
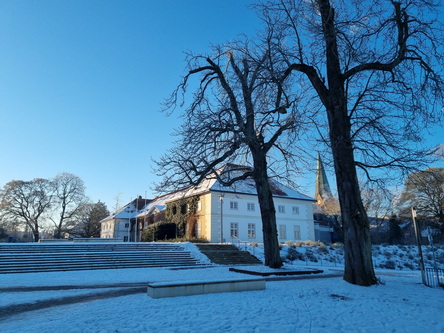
(59, 257)
(76, 247)
(227, 254)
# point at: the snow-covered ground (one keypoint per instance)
(304, 304)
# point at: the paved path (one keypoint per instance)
(123, 289)
(15, 309)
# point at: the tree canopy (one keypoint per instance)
(424, 190)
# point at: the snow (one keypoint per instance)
(313, 303)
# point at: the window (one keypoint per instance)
(125, 238)
(174, 210)
(127, 225)
(250, 206)
(251, 230)
(295, 210)
(183, 209)
(281, 209)
(234, 229)
(233, 205)
(297, 232)
(282, 231)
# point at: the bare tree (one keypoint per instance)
(374, 68)
(240, 113)
(378, 203)
(70, 195)
(26, 202)
(425, 191)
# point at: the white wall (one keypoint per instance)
(243, 217)
(114, 228)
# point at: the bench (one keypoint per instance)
(173, 289)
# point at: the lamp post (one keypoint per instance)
(221, 198)
(418, 241)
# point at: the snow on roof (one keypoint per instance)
(248, 185)
(130, 210)
(212, 184)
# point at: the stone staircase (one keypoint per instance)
(227, 254)
(47, 257)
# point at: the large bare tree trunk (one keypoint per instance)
(357, 244)
(268, 211)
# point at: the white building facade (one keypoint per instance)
(232, 213)
(228, 216)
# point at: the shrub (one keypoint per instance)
(310, 255)
(387, 254)
(184, 239)
(409, 266)
(293, 254)
(323, 250)
(389, 264)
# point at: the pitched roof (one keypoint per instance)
(212, 184)
(130, 210)
(248, 186)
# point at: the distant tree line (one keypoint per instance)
(58, 204)
(390, 214)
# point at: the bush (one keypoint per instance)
(184, 239)
(293, 254)
(389, 264)
(323, 250)
(409, 266)
(159, 232)
(387, 254)
(310, 255)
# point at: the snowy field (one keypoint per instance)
(327, 304)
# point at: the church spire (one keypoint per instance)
(323, 191)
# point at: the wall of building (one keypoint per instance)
(204, 212)
(107, 229)
(115, 228)
(240, 216)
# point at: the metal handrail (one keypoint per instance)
(246, 246)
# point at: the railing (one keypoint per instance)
(246, 246)
(434, 277)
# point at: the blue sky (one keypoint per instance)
(82, 82)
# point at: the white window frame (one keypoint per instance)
(251, 230)
(297, 232)
(234, 229)
(281, 209)
(234, 205)
(251, 207)
(296, 210)
(282, 231)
